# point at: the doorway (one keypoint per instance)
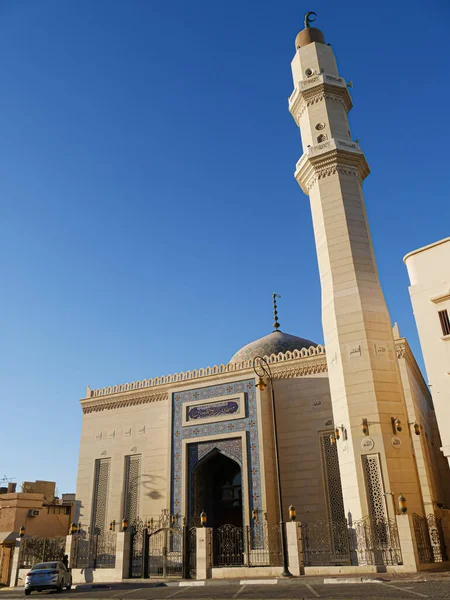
(217, 482)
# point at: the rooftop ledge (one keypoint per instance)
(318, 350)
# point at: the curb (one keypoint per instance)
(333, 580)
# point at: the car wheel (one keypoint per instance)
(60, 588)
(27, 592)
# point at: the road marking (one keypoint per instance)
(129, 592)
(402, 589)
(175, 593)
(258, 581)
(239, 591)
(334, 580)
(311, 589)
(191, 583)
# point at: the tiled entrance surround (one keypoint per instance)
(222, 418)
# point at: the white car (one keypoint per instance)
(48, 576)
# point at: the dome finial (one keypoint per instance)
(276, 325)
(308, 19)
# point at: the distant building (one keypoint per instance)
(38, 510)
(429, 274)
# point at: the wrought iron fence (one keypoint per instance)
(363, 542)
(437, 538)
(137, 548)
(95, 551)
(253, 545)
(326, 543)
(41, 549)
(375, 542)
(423, 541)
(429, 539)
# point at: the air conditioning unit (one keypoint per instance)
(33, 513)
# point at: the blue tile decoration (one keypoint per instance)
(215, 409)
(230, 447)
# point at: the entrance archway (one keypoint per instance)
(217, 482)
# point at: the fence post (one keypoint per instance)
(123, 549)
(70, 550)
(186, 573)
(204, 542)
(16, 562)
(408, 544)
(294, 547)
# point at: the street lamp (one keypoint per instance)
(262, 369)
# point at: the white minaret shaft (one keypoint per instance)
(363, 371)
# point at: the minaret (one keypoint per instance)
(374, 445)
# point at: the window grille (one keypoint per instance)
(445, 321)
(101, 493)
(374, 486)
(333, 486)
(132, 487)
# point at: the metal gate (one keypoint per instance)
(138, 538)
(253, 545)
(191, 557)
(165, 553)
(162, 548)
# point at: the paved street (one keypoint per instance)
(308, 588)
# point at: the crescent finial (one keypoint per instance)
(308, 19)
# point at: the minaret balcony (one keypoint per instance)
(325, 158)
(316, 88)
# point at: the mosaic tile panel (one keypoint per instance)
(248, 424)
(215, 409)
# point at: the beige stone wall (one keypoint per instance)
(140, 429)
(429, 273)
(303, 410)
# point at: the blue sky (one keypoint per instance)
(148, 205)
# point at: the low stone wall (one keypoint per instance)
(80, 576)
(245, 572)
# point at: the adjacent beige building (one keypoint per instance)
(429, 274)
(37, 510)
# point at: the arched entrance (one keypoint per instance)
(217, 483)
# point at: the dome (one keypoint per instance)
(275, 342)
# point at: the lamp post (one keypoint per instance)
(262, 369)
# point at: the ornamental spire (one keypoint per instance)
(308, 19)
(276, 325)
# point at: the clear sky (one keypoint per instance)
(148, 205)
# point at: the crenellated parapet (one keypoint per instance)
(297, 363)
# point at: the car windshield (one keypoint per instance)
(41, 566)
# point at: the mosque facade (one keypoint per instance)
(344, 432)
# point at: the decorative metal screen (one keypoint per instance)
(132, 487)
(333, 487)
(374, 484)
(100, 499)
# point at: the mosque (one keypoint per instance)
(344, 432)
